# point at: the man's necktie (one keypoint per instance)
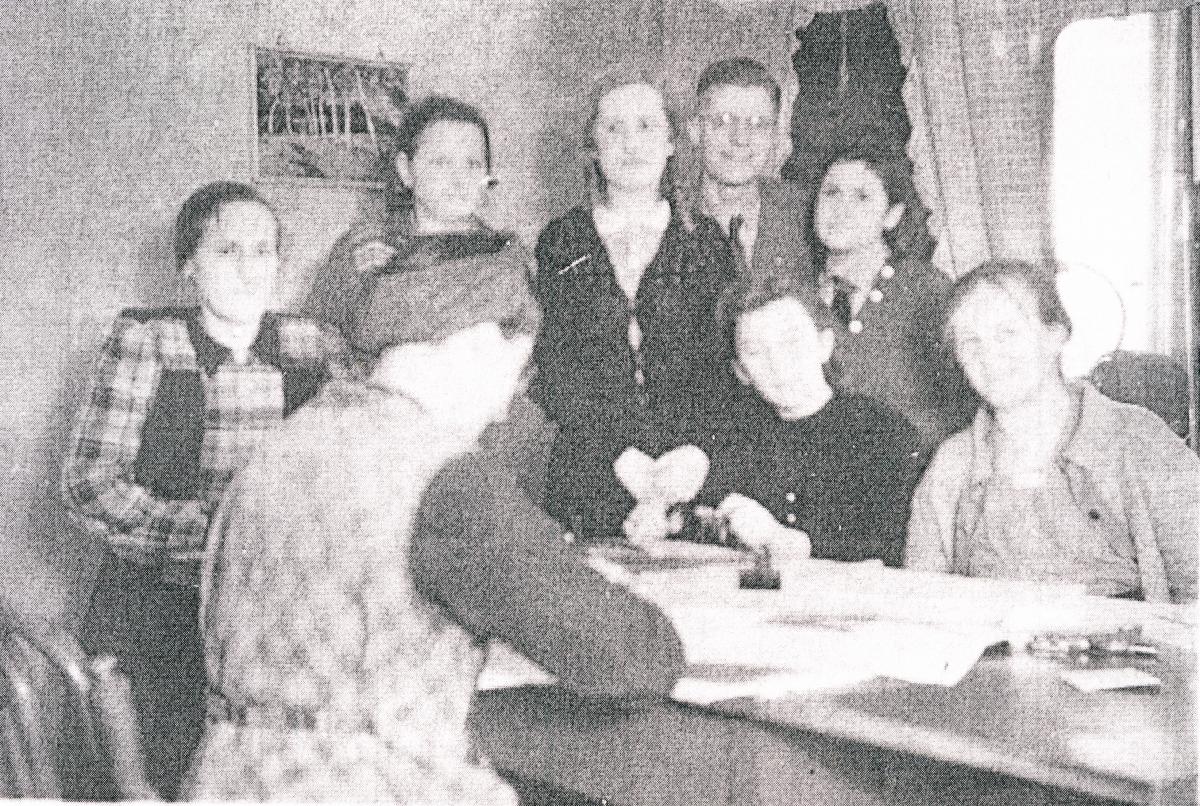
(735, 238)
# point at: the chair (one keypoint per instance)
(67, 725)
(1156, 382)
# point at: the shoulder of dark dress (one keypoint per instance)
(871, 418)
(783, 194)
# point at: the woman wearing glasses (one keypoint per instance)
(629, 356)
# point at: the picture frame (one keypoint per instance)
(326, 119)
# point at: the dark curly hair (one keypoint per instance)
(909, 238)
(407, 139)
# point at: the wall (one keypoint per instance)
(528, 65)
(115, 110)
(119, 108)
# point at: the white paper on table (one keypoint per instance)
(506, 667)
(789, 658)
(919, 653)
(1109, 679)
(705, 691)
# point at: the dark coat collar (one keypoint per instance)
(210, 355)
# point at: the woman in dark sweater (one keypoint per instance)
(798, 462)
(629, 355)
(884, 293)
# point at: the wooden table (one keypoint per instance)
(1011, 731)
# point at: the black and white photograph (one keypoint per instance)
(600, 402)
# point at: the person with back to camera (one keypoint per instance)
(442, 169)
(736, 130)
(886, 301)
(1053, 481)
(630, 362)
(346, 608)
(180, 399)
(801, 467)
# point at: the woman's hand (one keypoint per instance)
(650, 522)
(680, 473)
(754, 525)
(371, 256)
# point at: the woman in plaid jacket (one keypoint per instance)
(179, 401)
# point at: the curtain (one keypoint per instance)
(1172, 244)
(978, 95)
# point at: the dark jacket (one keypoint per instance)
(781, 250)
(896, 358)
(844, 475)
(604, 395)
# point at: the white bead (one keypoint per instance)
(790, 498)
(790, 517)
(875, 295)
(887, 272)
(855, 326)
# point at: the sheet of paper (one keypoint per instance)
(703, 690)
(749, 638)
(1109, 679)
(506, 667)
(919, 653)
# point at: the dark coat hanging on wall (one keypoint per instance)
(850, 74)
(850, 81)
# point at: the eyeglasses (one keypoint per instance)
(758, 124)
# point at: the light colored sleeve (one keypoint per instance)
(930, 542)
(1167, 482)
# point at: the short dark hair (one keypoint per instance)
(752, 294)
(424, 113)
(418, 117)
(202, 206)
(739, 72)
(1038, 280)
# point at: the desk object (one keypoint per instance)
(763, 575)
(1110, 679)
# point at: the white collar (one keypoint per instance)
(611, 222)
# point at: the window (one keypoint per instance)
(1121, 174)
(1124, 192)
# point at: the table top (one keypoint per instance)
(1011, 713)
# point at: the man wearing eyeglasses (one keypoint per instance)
(735, 130)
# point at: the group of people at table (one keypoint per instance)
(314, 523)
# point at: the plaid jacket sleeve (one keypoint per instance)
(97, 486)
(305, 342)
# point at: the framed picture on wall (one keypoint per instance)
(325, 118)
